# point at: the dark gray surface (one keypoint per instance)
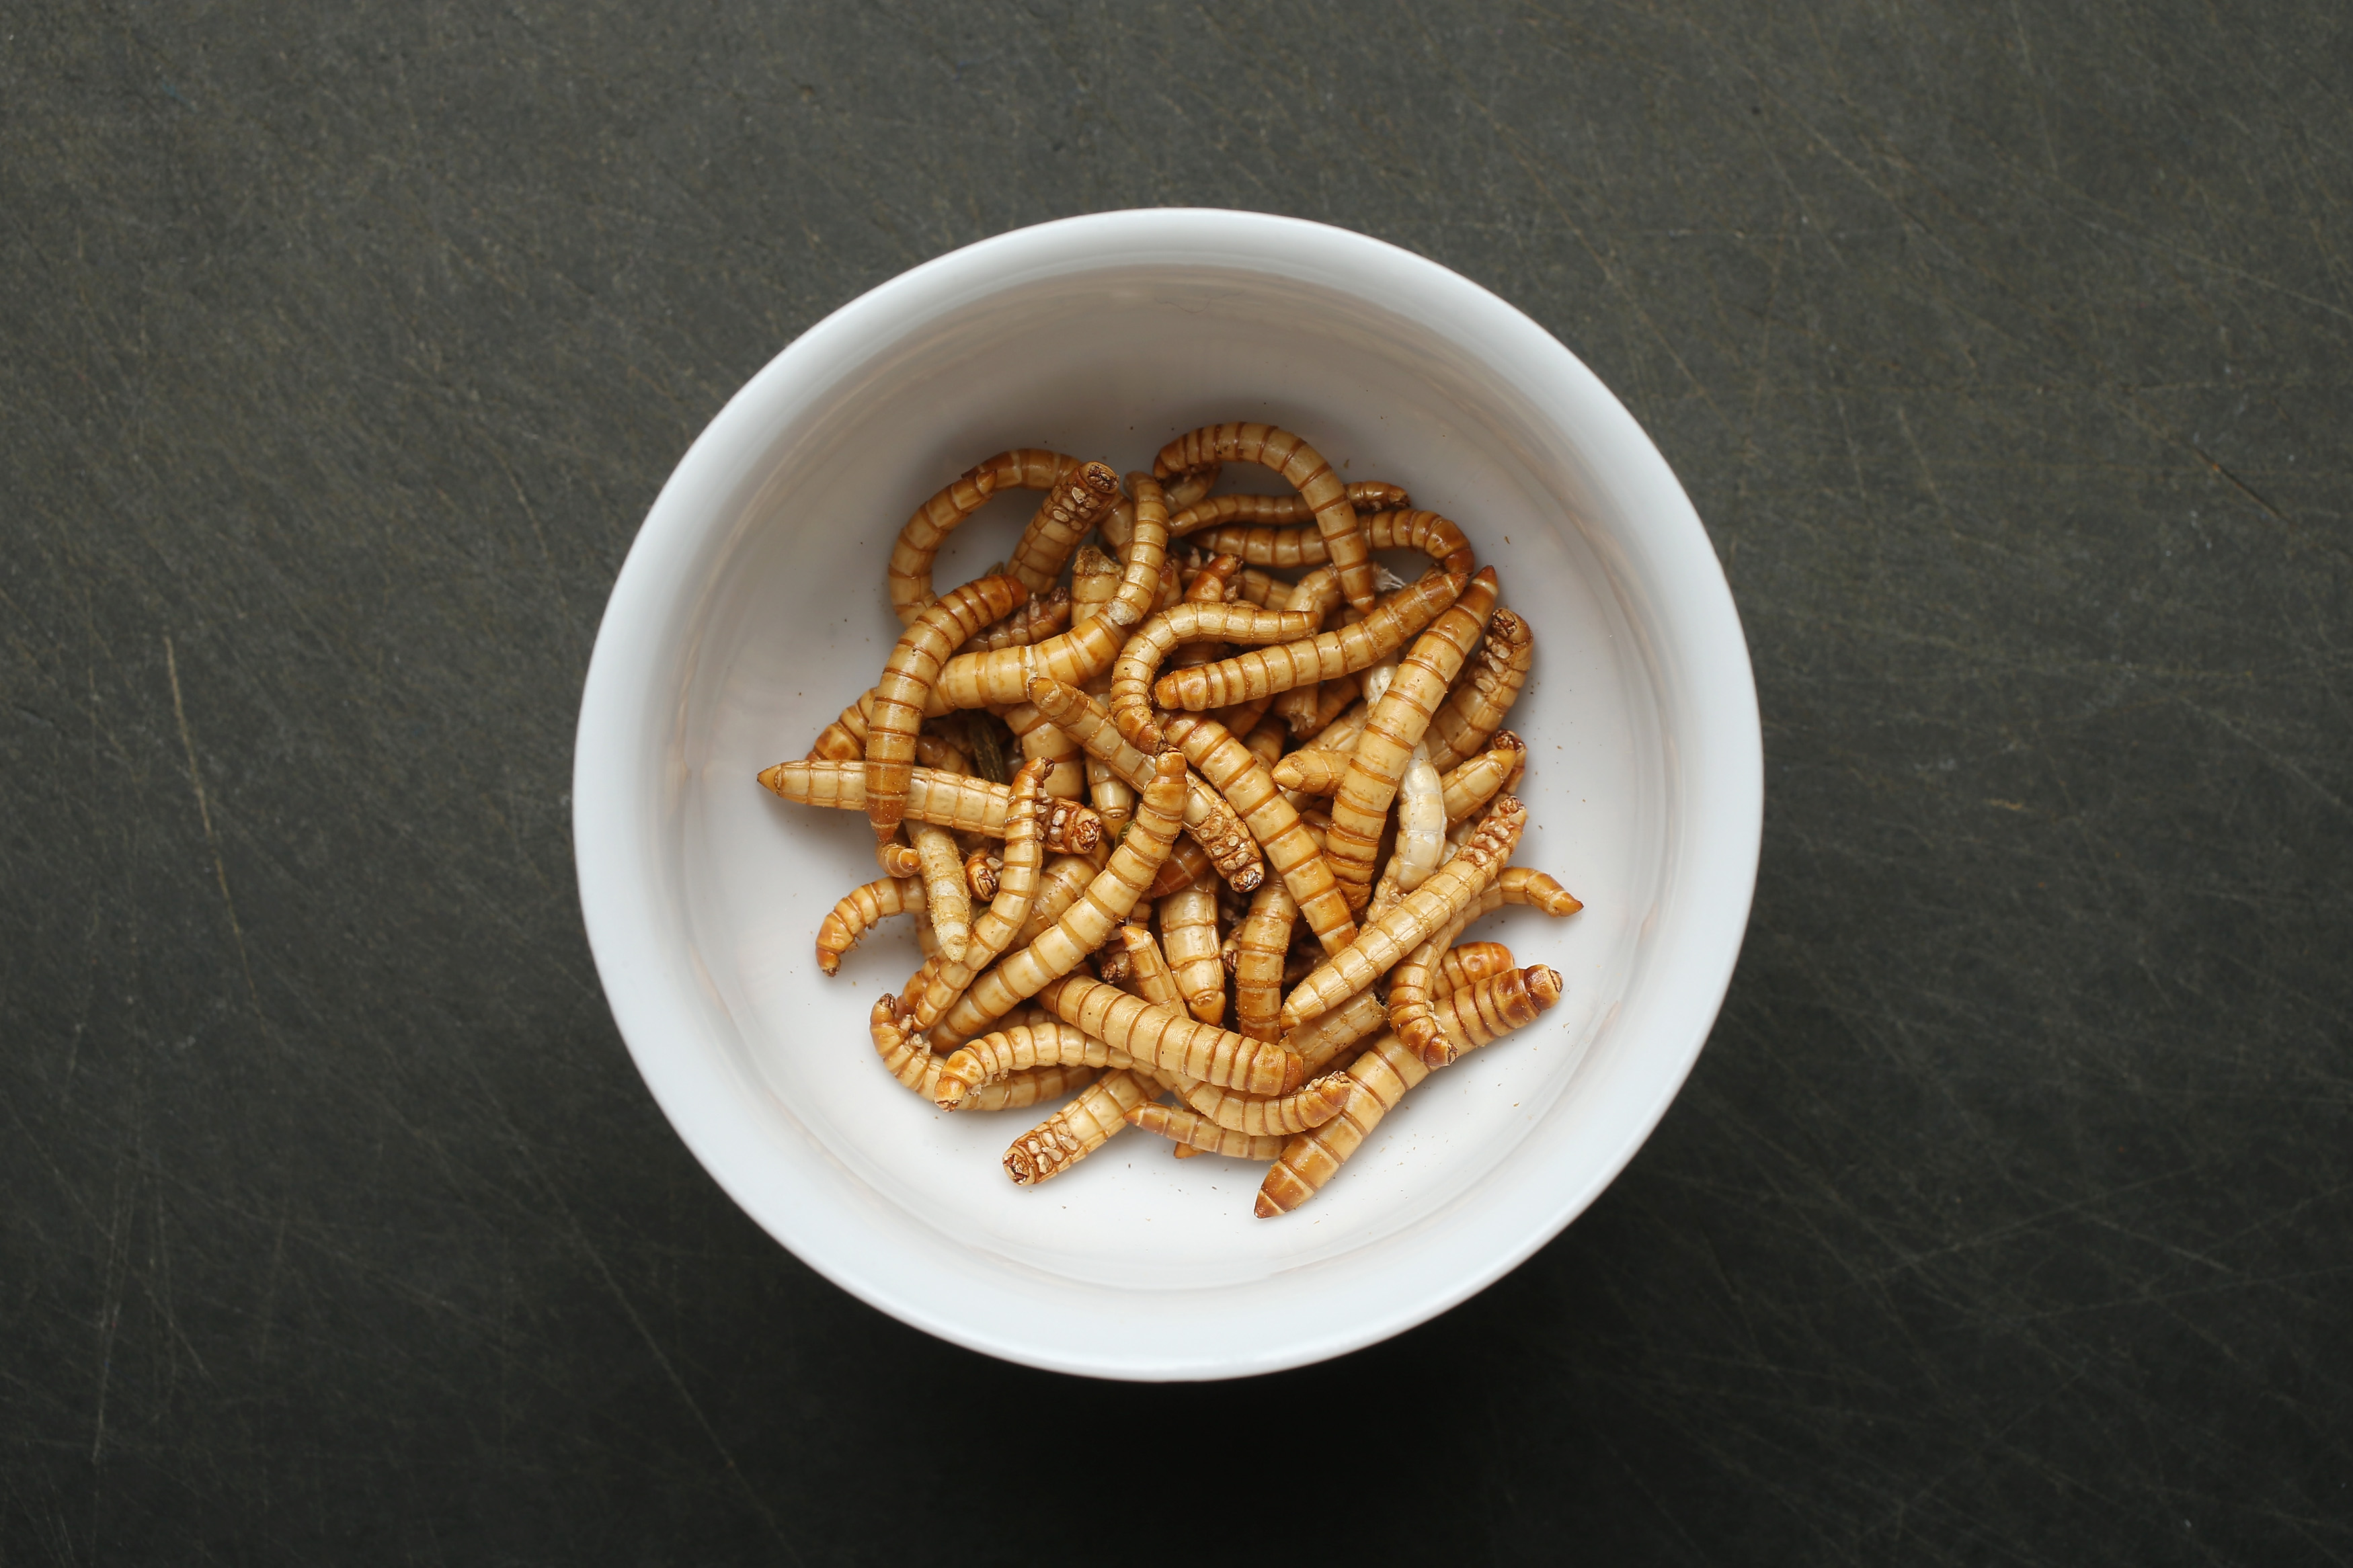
(2006, 1218)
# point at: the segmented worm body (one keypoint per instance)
(857, 913)
(1261, 545)
(907, 679)
(1016, 882)
(1484, 696)
(1260, 943)
(1305, 471)
(945, 898)
(1188, 936)
(1081, 494)
(1132, 673)
(1343, 651)
(1036, 621)
(1171, 1041)
(1363, 495)
(1193, 1131)
(1293, 853)
(943, 799)
(1079, 1129)
(1473, 784)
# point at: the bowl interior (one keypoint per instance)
(779, 618)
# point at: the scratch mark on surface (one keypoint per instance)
(204, 811)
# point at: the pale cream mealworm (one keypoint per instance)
(946, 899)
(1343, 651)
(1304, 469)
(1360, 807)
(1395, 933)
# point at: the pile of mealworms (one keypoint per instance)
(1182, 724)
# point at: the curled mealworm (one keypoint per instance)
(1488, 1009)
(1468, 963)
(1412, 992)
(1363, 495)
(1131, 672)
(1404, 927)
(1484, 695)
(1193, 1131)
(943, 799)
(1007, 1051)
(1171, 1041)
(1077, 656)
(1040, 618)
(1250, 790)
(1188, 936)
(1379, 1079)
(1478, 781)
(1086, 923)
(1017, 881)
(1392, 729)
(1260, 943)
(1261, 545)
(1343, 651)
(946, 899)
(900, 861)
(1208, 816)
(909, 574)
(907, 677)
(857, 913)
(1302, 467)
(1079, 494)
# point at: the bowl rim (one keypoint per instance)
(609, 809)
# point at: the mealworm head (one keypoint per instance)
(1544, 984)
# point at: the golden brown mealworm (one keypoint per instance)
(946, 899)
(1468, 963)
(1195, 1133)
(907, 678)
(1187, 488)
(1017, 881)
(1250, 789)
(1379, 1079)
(1360, 807)
(1079, 494)
(1522, 886)
(1406, 925)
(1149, 975)
(1473, 784)
(1208, 817)
(1059, 883)
(1187, 864)
(1188, 936)
(1311, 771)
(1079, 1129)
(1265, 739)
(1311, 1105)
(1412, 990)
(980, 873)
(1024, 1089)
(1427, 531)
(1005, 1052)
(1327, 1041)
(1210, 585)
(1077, 656)
(1484, 694)
(1365, 495)
(1343, 651)
(1260, 943)
(1305, 471)
(1086, 923)
(943, 799)
(900, 862)
(918, 545)
(1066, 774)
(1171, 1041)
(1042, 618)
(856, 913)
(1488, 1009)
(1094, 581)
(942, 756)
(1309, 709)
(1131, 672)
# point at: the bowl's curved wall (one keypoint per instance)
(751, 609)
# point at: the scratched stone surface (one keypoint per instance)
(2006, 1218)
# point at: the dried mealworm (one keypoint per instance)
(1260, 943)
(1484, 694)
(1522, 886)
(1018, 880)
(1302, 467)
(1192, 1131)
(910, 572)
(946, 899)
(1007, 1051)
(1042, 618)
(1404, 927)
(1468, 963)
(1475, 782)
(1079, 1129)
(1343, 651)
(1398, 717)
(1086, 923)
(1188, 936)
(1250, 790)
(1365, 495)
(1078, 495)
(1132, 673)
(1379, 1079)
(1208, 817)
(907, 677)
(1077, 656)
(943, 799)
(856, 913)
(1169, 1040)
(980, 869)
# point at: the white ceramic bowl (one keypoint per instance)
(752, 607)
